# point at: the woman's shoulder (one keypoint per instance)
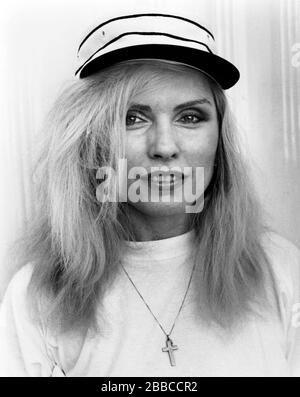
(284, 257)
(18, 285)
(281, 250)
(23, 344)
(22, 276)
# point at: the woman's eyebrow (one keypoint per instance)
(146, 108)
(201, 101)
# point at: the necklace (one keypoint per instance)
(170, 347)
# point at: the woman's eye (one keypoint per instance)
(132, 119)
(191, 118)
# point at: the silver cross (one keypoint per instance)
(169, 349)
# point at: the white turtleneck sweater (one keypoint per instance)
(131, 341)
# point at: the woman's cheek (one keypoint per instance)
(203, 153)
(131, 153)
(203, 143)
(135, 150)
(205, 157)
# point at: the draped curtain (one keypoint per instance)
(262, 37)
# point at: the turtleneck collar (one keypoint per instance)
(158, 250)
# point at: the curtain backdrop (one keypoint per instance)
(38, 52)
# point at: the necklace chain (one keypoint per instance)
(148, 307)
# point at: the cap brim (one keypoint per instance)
(224, 72)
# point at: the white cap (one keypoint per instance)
(154, 36)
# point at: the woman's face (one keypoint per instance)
(172, 122)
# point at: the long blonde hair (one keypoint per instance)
(74, 241)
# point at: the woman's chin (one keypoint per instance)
(160, 208)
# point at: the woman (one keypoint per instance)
(117, 282)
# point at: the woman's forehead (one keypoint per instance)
(163, 71)
(159, 78)
(173, 87)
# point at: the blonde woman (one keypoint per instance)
(116, 282)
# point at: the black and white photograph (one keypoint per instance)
(150, 190)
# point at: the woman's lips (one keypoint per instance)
(165, 180)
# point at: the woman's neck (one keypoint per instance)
(149, 228)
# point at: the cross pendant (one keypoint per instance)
(169, 349)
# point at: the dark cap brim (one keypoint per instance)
(224, 72)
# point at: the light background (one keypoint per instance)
(38, 52)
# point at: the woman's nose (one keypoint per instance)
(163, 142)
